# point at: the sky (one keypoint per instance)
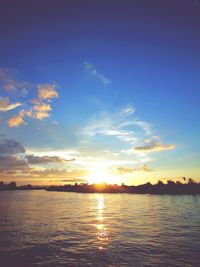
(99, 91)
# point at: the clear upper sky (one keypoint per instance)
(99, 91)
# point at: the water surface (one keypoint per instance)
(39, 228)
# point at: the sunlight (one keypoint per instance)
(99, 175)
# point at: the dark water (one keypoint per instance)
(39, 228)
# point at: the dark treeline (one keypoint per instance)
(13, 186)
(173, 188)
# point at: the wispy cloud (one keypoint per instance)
(125, 170)
(122, 125)
(94, 72)
(11, 84)
(6, 106)
(154, 145)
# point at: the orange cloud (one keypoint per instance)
(16, 120)
(39, 107)
(40, 115)
(42, 107)
(47, 91)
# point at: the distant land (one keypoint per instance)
(189, 187)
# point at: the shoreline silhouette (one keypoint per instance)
(189, 187)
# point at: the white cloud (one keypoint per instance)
(122, 125)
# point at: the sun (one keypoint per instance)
(99, 175)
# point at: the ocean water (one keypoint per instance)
(39, 228)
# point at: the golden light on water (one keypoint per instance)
(102, 233)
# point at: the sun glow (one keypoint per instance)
(100, 175)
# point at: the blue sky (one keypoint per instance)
(99, 89)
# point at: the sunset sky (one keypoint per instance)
(99, 91)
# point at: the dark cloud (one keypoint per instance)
(11, 156)
(10, 147)
(14, 163)
(46, 159)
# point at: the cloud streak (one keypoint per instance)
(47, 159)
(94, 72)
(154, 145)
(6, 106)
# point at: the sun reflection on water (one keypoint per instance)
(102, 233)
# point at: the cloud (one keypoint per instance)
(122, 125)
(92, 71)
(12, 163)
(5, 106)
(42, 107)
(16, 120)
(38, 108)
(11, 84)
(47, 91)
(46, 159)
(58, 173)
(39, 111)
(154, 145)
(145, 168)
(16, 168)
(127, 110)
(10, 156)
(15, 163)
(126, 170)
(40, 115)
(11, 147)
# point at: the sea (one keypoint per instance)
(40, 228)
